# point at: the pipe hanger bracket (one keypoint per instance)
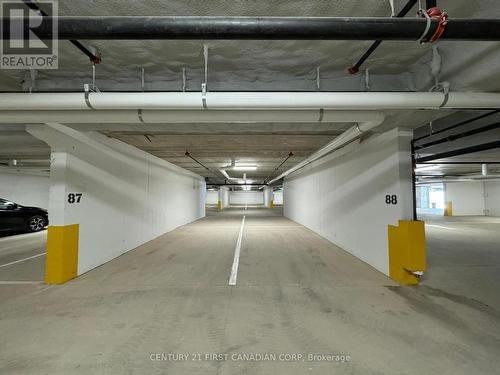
(434, 14)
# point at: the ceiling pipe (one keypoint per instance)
(94, 58)
(355, 68)
(183, 116)
(342, 140)
(247, 101)
(459, 152)
(462, 123)
(262, 28)
(236, 179)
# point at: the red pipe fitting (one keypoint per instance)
(442, 18)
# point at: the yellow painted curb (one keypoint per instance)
(62, 254)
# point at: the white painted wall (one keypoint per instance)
(492, 198)
(25, 189)
(467, 197)
(278, 197)
(129, 196)
(212, 197)
(246, 197)
(342, 196)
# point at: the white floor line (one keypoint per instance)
(440, 227)
(236, 260)
(20, 282)
(21, 260)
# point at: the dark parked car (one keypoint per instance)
(13, 216)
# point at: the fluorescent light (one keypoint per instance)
(245, 168)
(427, 168)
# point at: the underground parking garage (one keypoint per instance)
(250, 187)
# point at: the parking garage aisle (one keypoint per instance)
(296, 294)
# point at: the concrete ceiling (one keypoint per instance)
(216, 150)
(252, 65)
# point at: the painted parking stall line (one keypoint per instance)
(236, 261)
(440, 227)
(21, 260)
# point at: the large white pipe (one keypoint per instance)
(247, 100)
(346, 137)
(183, 116)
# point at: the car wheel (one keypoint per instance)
(36, 223)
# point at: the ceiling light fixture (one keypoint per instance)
(245, 167)
(427, 168)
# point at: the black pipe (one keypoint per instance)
(465, 134)
(93, 58)
(458, 125)
(462, 151)
(279, 28)
(430, 4)
(355, 68)
(414, 180)
(200, 163)
(275, 169)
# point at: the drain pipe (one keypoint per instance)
(342, 140)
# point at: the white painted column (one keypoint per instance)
(268, 196)
(120, 196)
(223, 197)
(352, 195)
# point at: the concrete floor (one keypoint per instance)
(296, 293)
(463, 256)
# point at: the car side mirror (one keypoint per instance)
(12, 206)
